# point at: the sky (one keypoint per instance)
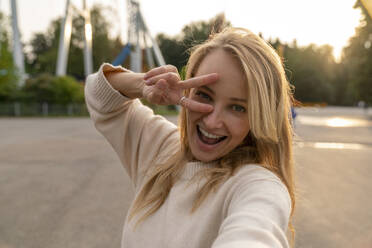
(320, 22)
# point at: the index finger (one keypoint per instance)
(196, 106)
(198, 81)
(160, 70)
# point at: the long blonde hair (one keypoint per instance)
(269, 142)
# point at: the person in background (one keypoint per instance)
(294, 115)
(224, 177)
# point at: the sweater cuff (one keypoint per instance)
(109, 97)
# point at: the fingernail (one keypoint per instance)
(209, 108)
(148, 82)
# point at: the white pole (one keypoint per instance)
(17, 48)
(64, 41)
(129, 9)
(158, 55)
(137, 62)
(0, 32)
(136, 29)
(136, 53)
(88, 61)
(149, 57)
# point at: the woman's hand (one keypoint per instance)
(163, 86)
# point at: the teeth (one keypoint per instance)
(209, 135)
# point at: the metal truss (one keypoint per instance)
(65, 38)
(138, 38)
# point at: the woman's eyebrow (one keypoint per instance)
(238, 99)
(231, 98)
(207, 89)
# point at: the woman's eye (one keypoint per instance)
(203, 96)
(238, 108)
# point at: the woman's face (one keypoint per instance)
(213, 135)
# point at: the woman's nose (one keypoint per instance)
(214, 119)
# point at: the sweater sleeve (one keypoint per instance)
(257, 216)
(139, 137)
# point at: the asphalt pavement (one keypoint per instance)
(61, 184)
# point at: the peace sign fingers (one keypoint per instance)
(160, 70)
(198, 81)
(194, 105)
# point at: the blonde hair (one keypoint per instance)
(269, 142)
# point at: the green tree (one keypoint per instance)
(311, 69)
(176, 49)
(44, 46)
(105, 49)
(44, 50)
(343, 92)
(67, 90)
(8, 72)
(357, 58)
(51, 89)
(173, 50)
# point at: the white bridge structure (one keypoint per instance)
(139, 39)
(65, 37)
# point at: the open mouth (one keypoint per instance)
(207, 138)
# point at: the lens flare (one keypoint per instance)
(333, 121)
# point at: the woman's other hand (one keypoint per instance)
(163, 86)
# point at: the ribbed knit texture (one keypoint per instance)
(250, 209)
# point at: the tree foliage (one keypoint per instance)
(357, 57)
(176, 49)
(51, 89)
(8, 72)
(44, 50)
(44, 46)
(310, 69)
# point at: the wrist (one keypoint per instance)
(127, 83)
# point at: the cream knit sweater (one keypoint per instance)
(251, 209)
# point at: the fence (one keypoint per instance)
(18, 109)
(42, 109)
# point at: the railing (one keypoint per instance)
(42, 109)
(20, 109)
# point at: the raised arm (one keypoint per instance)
(135, 133)
(138, 136)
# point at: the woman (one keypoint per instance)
(225, 177)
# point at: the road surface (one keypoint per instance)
(61, 185)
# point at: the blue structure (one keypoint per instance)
(122, 55)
